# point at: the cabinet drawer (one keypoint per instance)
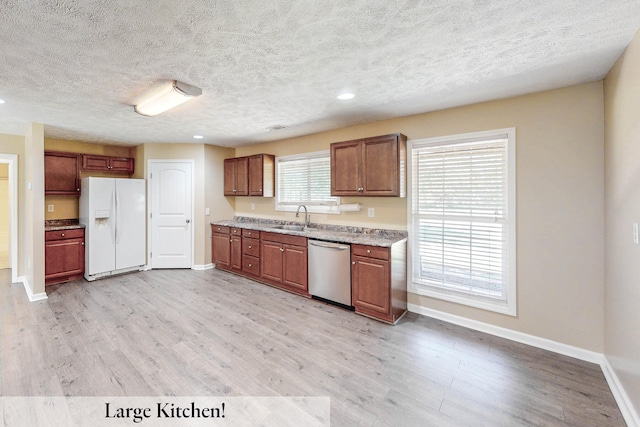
(284, 238)
(220, 229)
(251, 233)
(251, 265)
(251, 247)
(370, 251)
(64, 234)
(235, 231)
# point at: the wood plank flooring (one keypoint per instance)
(210, 333)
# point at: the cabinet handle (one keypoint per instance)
(82, 243)
(353, 262)
(250, 246)
(230, 240)
(250, 265)
(234, 190)
(219, 228)
(62, 234)
(281, 250)
(235, 231)
(77, 189)
(249, 233)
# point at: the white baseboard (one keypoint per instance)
(203, 267)
(543, 343)
(27, 288)
(622, 398)
(629, 413)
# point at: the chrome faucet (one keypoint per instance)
(307, 218)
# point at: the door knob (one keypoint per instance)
(188, 221)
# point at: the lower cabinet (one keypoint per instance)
(378, 281)
(63, 255)
(283, 261)
(226, 248)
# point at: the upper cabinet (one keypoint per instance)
(94, 162)
(261, 175)
(61, 173)
(249, 176)
(373, 166)
(236, 176)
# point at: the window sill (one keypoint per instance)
(497, 306)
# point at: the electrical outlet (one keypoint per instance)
(636, 239)
(371, 212)
(49, 208)
(207, 211)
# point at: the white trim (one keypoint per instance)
(509, 306)
(629, 413)
(12, 160)
(27, 288)
(543, 343)
(193, 207)
(201, 267)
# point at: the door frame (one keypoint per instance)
(150, 163)
(12, 161)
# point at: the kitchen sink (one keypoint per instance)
(289, 227)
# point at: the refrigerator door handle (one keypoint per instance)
(117, 209)
(113, 218)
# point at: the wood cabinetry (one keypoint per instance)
(369, 167)
(283, 261)
(236, 176)
(378, 281)
(249, 176)
(261, 175)
(63, 255)
(61, 173)
(251, 252)
(226, 247)
(94, 162)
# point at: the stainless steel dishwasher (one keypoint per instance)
(330, 272)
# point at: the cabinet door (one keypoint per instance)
(93, 162)
(345, 169)
(236, 252)
(221, 250)
(380, 166)
(61, 173)
(229, 177)
(242, 176)
(255, 175)
(294, 265)
(271, 261)
(370, 285)
(64, 259)
(121, 164)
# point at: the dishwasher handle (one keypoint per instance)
(329, 245)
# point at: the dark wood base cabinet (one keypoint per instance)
(379, 281)
(63, 255)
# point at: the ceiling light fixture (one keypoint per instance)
(346, 95)
(198, 136)
(1, 101)
(165, 97)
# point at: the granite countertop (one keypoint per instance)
(332, 233)
(62, 224)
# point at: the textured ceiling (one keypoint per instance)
(77, 66)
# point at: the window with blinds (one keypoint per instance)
(462, 219)
(305, 180)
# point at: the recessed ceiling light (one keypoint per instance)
(1, 101)
(198, 136)
(346, 95)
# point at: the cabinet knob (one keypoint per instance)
(219, 228)
(235, 231)
(250, 246)
(249, 233)
(62, 234)
(281, 249)
(368, 251)
(77, 189)
(82, 243)
(353, 262)
(250, 265)
(230, 240)
(234, 190)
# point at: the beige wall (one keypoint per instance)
(13, 144)
(560, 192)
(4, 216)
(33, 214)
(622, 204)
(67, 207)
(220, 207)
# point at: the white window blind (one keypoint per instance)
(305, 180)
(460, 218)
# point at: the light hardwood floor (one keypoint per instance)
(210, 333)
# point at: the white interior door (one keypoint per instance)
(171, 215)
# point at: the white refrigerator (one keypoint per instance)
(113, 213)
